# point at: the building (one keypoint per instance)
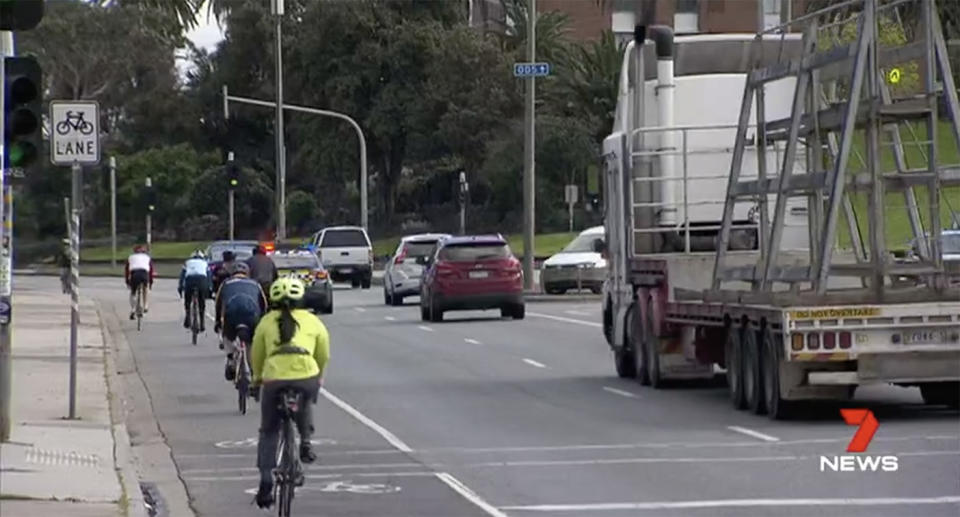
(588, 19)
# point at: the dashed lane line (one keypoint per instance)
(622, 393)
(533, 363)
(755, 434)
(471, 341)
(424, 328)
(565, 320)
(390, 318)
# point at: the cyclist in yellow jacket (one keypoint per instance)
(290, 349)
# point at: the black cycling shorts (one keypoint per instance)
(138, 277)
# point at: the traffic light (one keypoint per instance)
(233, 174)
(151, 197)
(22, 88)
(20, 15)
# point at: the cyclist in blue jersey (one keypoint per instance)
(240, 301)
(194, 277)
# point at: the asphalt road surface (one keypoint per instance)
(480, 416)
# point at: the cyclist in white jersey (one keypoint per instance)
(194, 277)
(139, 271)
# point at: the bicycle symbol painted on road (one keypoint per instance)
(251, 443)
(74, 122)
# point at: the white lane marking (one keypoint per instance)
(390, 318)
(471, 341)
(360, 309)
(565, 320)
(735, 503)
(536, 364)
(425, 328)
(629, 461)
(620, 392)
(211, 317)
(647, 445)
(577, 313)
(377, 428)
(469, 495)
(319, 476)
(755, 434)
(311, 468)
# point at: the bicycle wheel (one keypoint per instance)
(291, 470)
(194, 323)
(243, 382)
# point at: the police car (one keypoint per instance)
(305, 265)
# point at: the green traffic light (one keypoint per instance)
(21, 154)
(233, 183)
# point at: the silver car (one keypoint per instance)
(401, 276)
(579, 265)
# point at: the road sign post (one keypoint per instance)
(113, 211)
(570, 196)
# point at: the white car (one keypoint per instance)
(579, 264)
(346, 253)
(401, 275)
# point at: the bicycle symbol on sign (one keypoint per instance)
(75, 122)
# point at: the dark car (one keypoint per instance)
(307, 267)
(472, 273)
(241, 249)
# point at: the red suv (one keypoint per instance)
(471, 273)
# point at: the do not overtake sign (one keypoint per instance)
(74, 132)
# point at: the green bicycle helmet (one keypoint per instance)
(286, 288)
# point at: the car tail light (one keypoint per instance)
(320, 275)
(829, 340)
(796, 342)
(813, 341)
(268, 247)
(445, 270)
(844, 340)
(401, 256)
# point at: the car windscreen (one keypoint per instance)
(296, 262)
(241, 251)
(344, 239)
(415, 249)
(583, 243)
(474, 251)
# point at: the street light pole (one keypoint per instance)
(281, 148)
(327, 113)
(230, 194)
(528, 152)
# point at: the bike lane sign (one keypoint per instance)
(75, 132)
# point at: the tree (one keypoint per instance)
(551, 30)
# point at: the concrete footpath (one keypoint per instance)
(52, 466)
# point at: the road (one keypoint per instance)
(484, 416)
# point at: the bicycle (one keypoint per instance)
(195, 314)
(289, 472)
(241, 379)
(141, 295)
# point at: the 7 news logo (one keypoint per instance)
(866, 427)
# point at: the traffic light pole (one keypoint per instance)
(6, 326)
(314, 111)
(149, 184)
(230, 192)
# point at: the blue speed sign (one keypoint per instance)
(531, 69)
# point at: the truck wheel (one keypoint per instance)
(752, 372)
(777, 407)
(733, 357)
(624, 358)
(635, 328)
(651, 350)
(365, 281)
(941, 393)
(608, 324)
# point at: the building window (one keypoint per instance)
(686, 18)
(771, 13)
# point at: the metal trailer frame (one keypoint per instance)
(754, 323)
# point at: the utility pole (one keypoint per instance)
(150, 206)
(277, 8)
(113, 211)
(529, 163)
(231, 190)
